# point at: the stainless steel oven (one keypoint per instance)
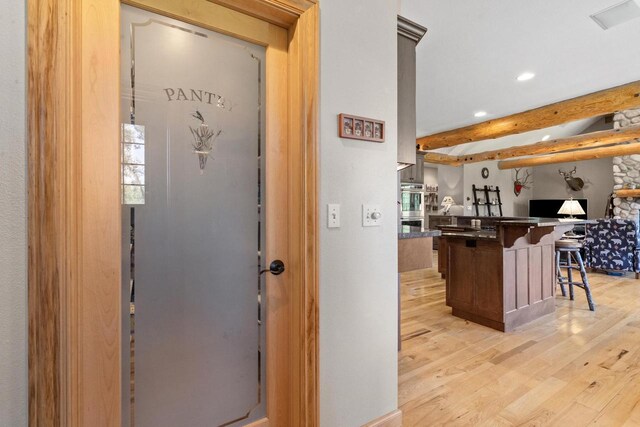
(412, 200)
(414, 222)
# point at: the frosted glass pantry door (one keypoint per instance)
(192, 127)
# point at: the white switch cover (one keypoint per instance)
(333, 215)
(371, 215)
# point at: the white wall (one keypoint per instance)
(546, 184)
(451, 183)
(430, 176)
(358, 266)
(597, 175)
(512, 205)
(13, 290)
(457, 181)
(598, 183)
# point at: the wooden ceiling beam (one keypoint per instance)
(442, 159)
(595, 104)
(572, 156)
(588, 140)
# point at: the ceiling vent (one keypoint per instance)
(617, 14)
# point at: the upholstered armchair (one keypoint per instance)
(613, 244)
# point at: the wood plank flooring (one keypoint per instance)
(570, 368)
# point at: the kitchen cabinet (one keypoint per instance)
(409, 35)
(475, 286)
(414, 174)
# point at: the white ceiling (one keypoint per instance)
(474, 50)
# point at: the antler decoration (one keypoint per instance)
(519, 184)
(569, 174)
(576, 183)
(203, 139)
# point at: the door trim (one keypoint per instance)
(74, 202)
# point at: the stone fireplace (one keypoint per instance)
(626, 169)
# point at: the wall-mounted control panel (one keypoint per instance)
(371, 215)
(333, 215)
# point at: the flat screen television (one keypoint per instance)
(548, 208)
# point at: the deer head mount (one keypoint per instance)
(574, 183)
(520, 183)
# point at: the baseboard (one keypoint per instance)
(392, 419)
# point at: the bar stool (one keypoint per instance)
(572, 260)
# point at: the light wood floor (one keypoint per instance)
(571, 368)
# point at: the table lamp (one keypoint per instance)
(571, 207)
(447, 202)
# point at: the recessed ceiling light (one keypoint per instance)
(526, 76)
(546, 137)
(480, 113)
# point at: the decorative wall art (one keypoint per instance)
(521, 183)
(203, 139)
(363, 128)
(574, 183)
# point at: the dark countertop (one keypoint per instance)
(466, 232)
(469, 234)
(410, 232)
(547, 222)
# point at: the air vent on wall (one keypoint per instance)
(617, 14)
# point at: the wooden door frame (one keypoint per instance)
(74, 218)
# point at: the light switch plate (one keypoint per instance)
(371, 215)
(333, 215)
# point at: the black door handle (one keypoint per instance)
(276, 267)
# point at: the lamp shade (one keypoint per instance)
(447, 201)
(571, 207)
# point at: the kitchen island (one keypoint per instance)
(415, 248)
(504, 277)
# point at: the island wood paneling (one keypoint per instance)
(535, 275)
(529, 281)
(461, 293)
(525, 285)
(509, 262)
(501, 285)
(442, 257)
(548, 271)
(521, 279)
(487, 269)
(476, 285)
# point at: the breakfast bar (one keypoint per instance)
(505, 276)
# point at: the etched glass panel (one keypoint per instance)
(191, 165)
